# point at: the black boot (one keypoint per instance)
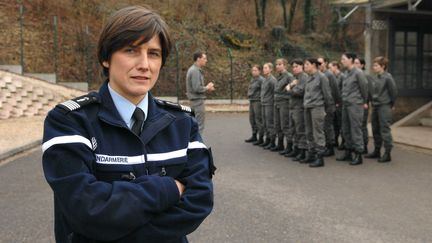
(271, 144)
(329, 151)
(294, 152)
(319, 161)
(357, 160)
(252, 139)
(279, 146)
(374, 155)
(300, 156)
(259, 141)
(309, 158)
(287, 150)
(346, 156)
(386, 157)
(266, 142)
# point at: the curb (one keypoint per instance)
(20, 149)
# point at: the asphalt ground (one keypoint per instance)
(261, 196)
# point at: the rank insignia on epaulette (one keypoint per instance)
(175, 106)
(78, 102)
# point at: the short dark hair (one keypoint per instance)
(256, 66)
(325, 59)
(382, 61)
(128, 25)
(197, 55)
(313, 61)
(297, 61)
(336, 64)
(350, 55)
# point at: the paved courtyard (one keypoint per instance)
(263, 197)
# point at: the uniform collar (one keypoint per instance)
(126, 108)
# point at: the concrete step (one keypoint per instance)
(426, 121)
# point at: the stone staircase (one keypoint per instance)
(22, 96)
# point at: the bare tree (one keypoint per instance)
(292, 13)
(260, 7)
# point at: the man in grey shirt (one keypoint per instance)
(195, 88)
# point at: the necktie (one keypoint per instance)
(139, 120)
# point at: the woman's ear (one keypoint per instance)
(105, 64)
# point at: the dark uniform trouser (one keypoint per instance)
(314, 121)
(352, 118)
(364, 126)
(267, 118)
(297, 122)
(198, 107)
(329, 128)
(255, 117)
(381, 122)
(281, 119)
(338, 123)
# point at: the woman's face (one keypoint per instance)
(309, 67)
(266, 69)
(346, 62)
(377, 68)
(255, 72)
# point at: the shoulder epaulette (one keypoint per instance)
(174, 106)
(78, 102)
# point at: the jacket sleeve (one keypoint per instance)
(363, 85)
(196, 202)
(298, 90)
(334, 89)
(96, 209)
(195, 79)
(328, 100)
(392, 90)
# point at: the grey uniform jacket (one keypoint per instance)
(354, 87)
(254, 91)
(333, 86)
(317, 91)
(195, 88)
(267, 90)
(297, 92)
(339, 79)
(283, 79)
(384, 90)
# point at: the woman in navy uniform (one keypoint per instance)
(124, 166)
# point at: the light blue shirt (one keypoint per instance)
(126, 108)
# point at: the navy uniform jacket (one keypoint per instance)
(111, 185)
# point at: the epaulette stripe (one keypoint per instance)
(72, 105)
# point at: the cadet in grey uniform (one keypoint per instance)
(255, 117)
(360, 63)
(317, 98)
(383, 96)
(281, 107)
(354, 100)
(195, 88)
(296, 90)
(335, 68)
(267, 96)
(330, 112)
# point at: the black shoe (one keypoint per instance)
(329, 151)
(259, 141)
(300, 156)
(252, 139)
(309, 158)
(279, 147)
(287, 150)
(346, 156)
(357, 160)
(319, 162)
(271, 144)
(374, 155)
(294, 152)
(266, 142)
(385, 158)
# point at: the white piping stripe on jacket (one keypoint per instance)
(107, 159)
(66, 139)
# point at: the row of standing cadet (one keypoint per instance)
(318, 107)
